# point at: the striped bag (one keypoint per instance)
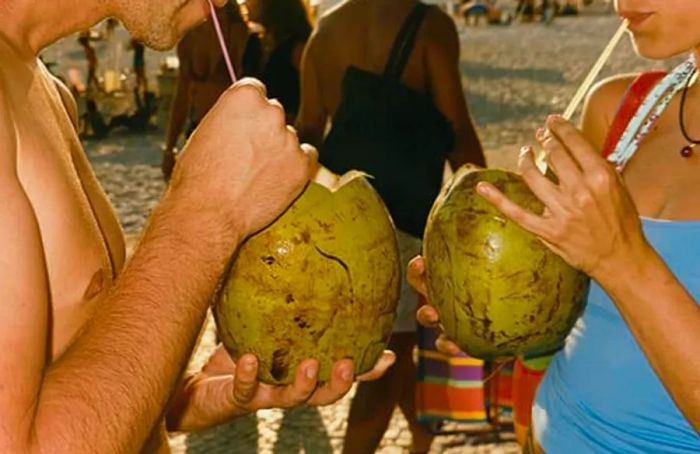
(451, 388)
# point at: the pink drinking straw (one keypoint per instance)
(222, 42)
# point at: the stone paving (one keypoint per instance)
(514, 76)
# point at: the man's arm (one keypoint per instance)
(445, 85)
(111, 387)
(312, 117)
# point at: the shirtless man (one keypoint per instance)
(93, 350)
(361, 33)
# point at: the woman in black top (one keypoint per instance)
(286, 29)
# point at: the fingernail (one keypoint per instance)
(524, 151)
(555, 119)
(539, 135)
(346, 373)
(312, 371)
(249, 365)
(482, 189)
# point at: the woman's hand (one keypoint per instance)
(225, 390)
(428, 315)
(590, 219)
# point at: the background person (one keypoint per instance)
(92, 62)
(286, 28)
(139, 65)
(203, 77)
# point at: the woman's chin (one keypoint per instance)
(655, 51)
(656, 46)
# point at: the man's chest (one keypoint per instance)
(56, 179)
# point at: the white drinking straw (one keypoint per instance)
(541, 158)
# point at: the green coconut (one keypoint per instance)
(500, 292)
(322, 282)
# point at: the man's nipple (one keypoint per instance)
(95, 286)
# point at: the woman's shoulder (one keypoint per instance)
(607, 94)
(601, 106)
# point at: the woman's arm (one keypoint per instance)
(445, 87)
(591, 221)
(665, 320)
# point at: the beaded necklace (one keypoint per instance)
(649, 112)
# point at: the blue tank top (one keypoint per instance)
(600, 394)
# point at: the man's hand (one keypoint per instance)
(427, 315)
(224, 390)
(243, 163)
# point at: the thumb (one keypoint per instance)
(416, 275)
(246, 380)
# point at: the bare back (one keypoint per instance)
(361, 33)
(82, 242)
(202, 63)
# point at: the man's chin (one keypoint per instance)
(161, 41)
(162, 45)
(162, 37)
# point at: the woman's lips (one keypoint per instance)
(636, 19)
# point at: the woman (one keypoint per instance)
(627, 379)
(203, 77)
(286, 27)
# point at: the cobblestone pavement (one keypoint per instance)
(514, 77)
